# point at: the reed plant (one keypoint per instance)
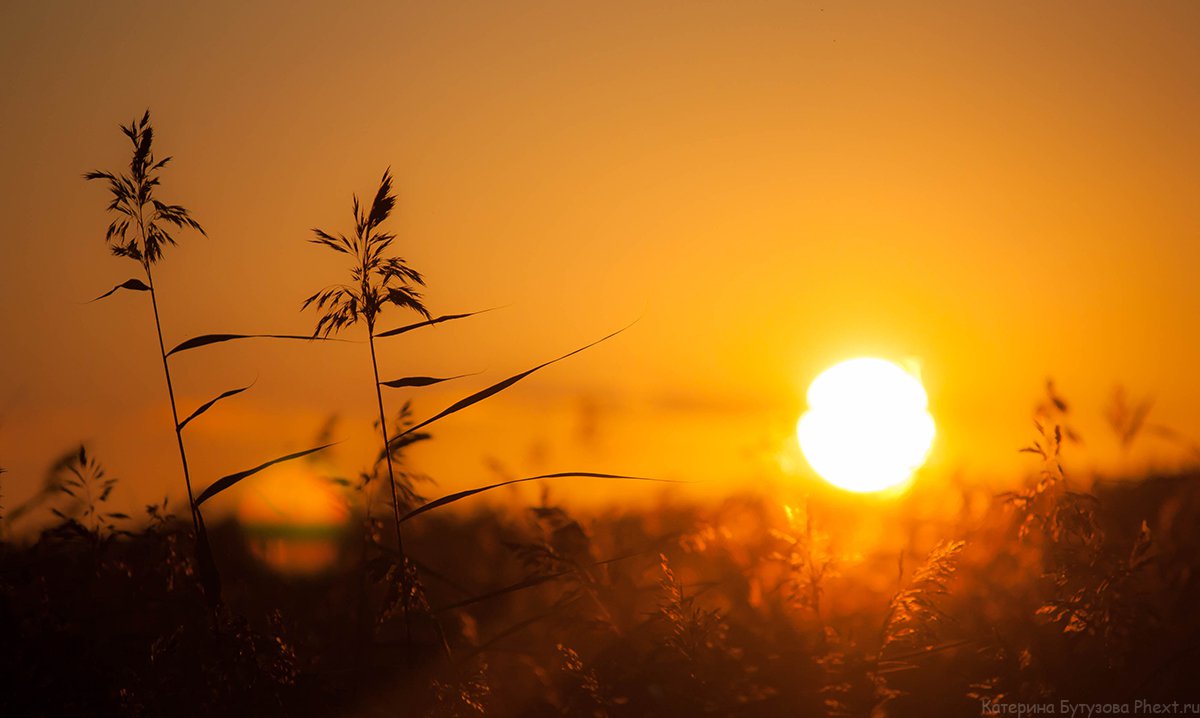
(377, 280)
(141, 230)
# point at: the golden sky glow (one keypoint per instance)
(1005, 191)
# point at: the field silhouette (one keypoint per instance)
(741, 608)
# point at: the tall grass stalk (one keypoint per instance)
(376, 280)
(140, 231)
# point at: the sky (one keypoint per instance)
(995, 193)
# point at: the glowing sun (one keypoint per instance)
(867, 427)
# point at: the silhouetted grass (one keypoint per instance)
(140, 231)
(379, 280)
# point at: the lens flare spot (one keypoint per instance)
(293, 519)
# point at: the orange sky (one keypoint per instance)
(1003, 191)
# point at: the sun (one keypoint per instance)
(867, 427)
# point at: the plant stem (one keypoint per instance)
(162, 350)
(387, 454)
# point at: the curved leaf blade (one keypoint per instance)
(135, 285)
(511, 588)
(208, 405)
(529, 582)
(419, 381)
(451, 498)
(226, 481)
(430, 322)
(496, 388)
(206, 565)
(206, 339)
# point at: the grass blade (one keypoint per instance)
(497, 388)
(206, 339)
(225, 482)
(518, 627)
(451, 498)
(419, 380)
(530, 582)
(511, 588)
(136, 285)
(208, 405)
(206, 565)
(429, 323)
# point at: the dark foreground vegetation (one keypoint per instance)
(926, 605)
